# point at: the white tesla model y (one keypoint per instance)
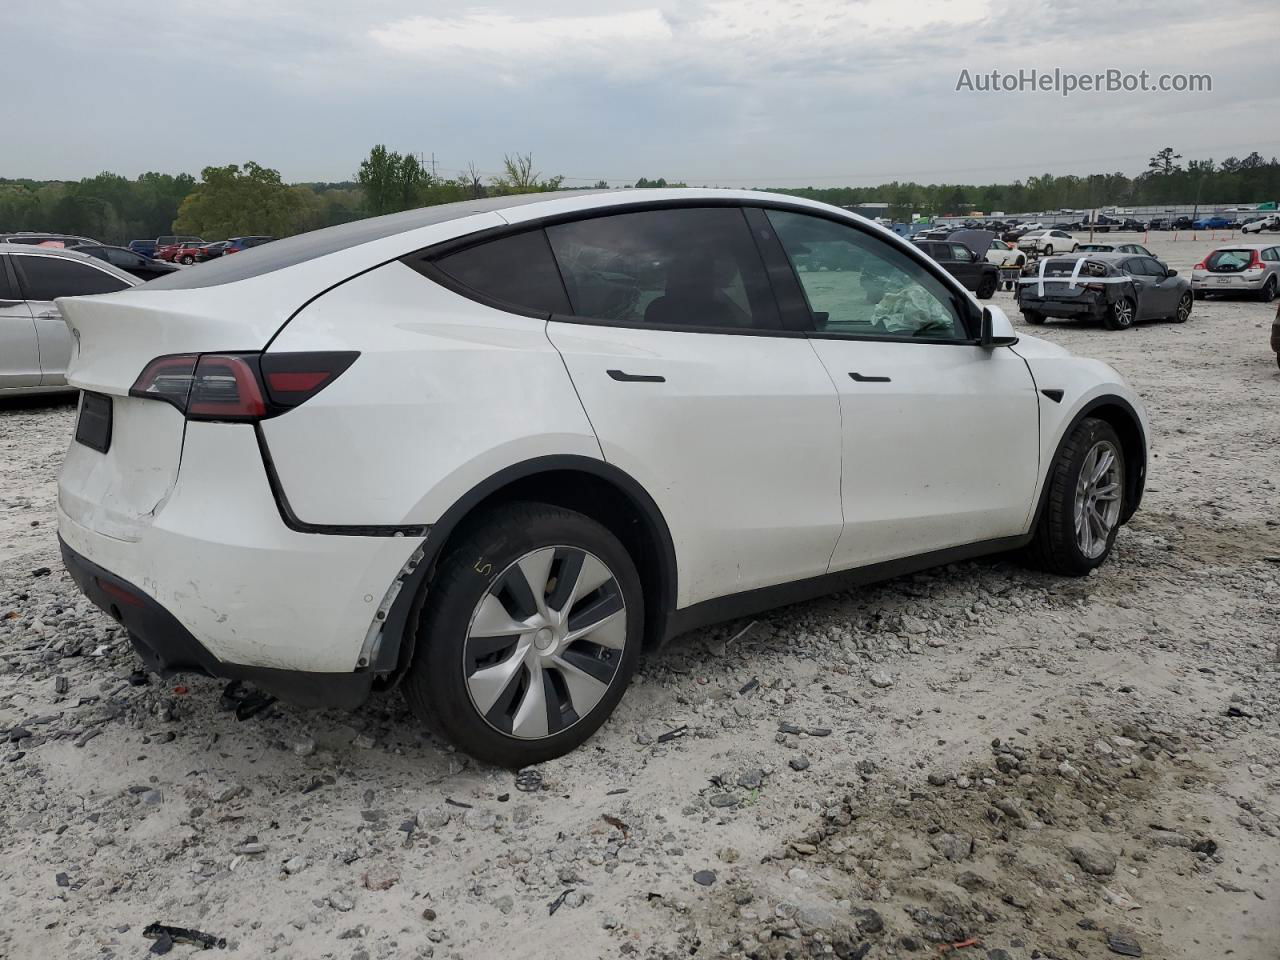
(490, 451)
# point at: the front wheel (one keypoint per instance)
(530, 635)
(1120, 315)
(188, 260)
(1184, 309)
(1084, 496)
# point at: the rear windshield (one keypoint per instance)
(1064, 268)
(269, 257)
(1228, 260)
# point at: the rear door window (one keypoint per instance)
(46, 278)
(682, 268)
(511, 272)
(7, 292)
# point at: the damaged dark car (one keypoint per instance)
(1117, 289)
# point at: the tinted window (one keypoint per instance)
(6, 288)
(962, 253)
(1152, 267)
(686, 268)
(518, 270)
(123, 258)
(859, 285)
(44, 278)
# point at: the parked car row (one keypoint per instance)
(195, 250)
(35, 343)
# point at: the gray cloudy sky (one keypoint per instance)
(733, 92)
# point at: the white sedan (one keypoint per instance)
(491, 450)
(1047, 242)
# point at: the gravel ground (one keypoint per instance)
(979, 756)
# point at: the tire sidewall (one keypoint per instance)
(463, 579)
(1113, 319)
(1090, 431)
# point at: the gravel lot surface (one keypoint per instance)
(980, 756)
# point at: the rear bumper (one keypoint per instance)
(1237, 283)
(1064, 308)
(167, 647)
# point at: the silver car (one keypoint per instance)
(1248, 268)
(35, 343)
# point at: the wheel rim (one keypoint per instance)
(1269, 290)
(1124, 313)
(1184, 308)
(1097, 503)
(545, 642)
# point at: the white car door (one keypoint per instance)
(694, 389)
(19, 352)
(941, 436)
(42, 278)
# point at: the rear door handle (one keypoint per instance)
(861, 379)
(622, 377)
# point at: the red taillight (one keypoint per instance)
(1255, 262)
(119, 594)
(1200, 266)
(239, 387)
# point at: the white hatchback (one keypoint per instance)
(489, 451)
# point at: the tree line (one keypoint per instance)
(252, 199)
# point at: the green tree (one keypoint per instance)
(392, 181)
(519, 176)
(1164, 162)
(231, 201)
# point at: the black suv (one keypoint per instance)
(975, 272)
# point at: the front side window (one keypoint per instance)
(858, 285)
(46, 278)
(518, 270)
(962, 253)
(687, 267)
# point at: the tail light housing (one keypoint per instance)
(1200, 266)
(1255, 262)
(239, 387)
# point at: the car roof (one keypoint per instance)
(62, 253)
(1246, 246)
(488, 212)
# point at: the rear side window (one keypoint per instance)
(688, 267)
(46, 278)
(516, 270)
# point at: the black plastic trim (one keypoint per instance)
(167, 647)
(298, 525)
(756, 601)
(854, 375)
(1054, 395)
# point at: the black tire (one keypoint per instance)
(1053, 547)
(1119, 315)
(1033, 317)
(987, 286)
(1268, 291)
(1047, 251)
(1183, 313)
(434, 685)
(188, 260)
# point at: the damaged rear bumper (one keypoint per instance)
(167, 647)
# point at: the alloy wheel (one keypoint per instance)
(1097, 500)
(1184, 308)
(545, 641)
(1123, 312)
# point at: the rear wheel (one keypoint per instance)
(1120, 315)
(1268, 291)
(987, 286)
(530, 635)
(1048, 251)
(1084, 496)
(1184, 309)
(1033, 317)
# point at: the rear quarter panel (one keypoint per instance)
(446, 392)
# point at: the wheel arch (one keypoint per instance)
(1120, 414)
(598, 489)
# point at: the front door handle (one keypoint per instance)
(49, 315)
(861, 379)
(622, 377)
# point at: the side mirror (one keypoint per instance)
(1171, 273)
(986, 333)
